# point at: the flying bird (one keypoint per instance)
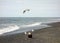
(26, 10)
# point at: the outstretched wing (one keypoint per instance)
(26, 10)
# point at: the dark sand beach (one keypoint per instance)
(45, 35)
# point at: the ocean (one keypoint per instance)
(14, 25)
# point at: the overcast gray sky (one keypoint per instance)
(38, 8)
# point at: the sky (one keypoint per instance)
(38, 8)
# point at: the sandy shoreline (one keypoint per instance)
(45, 35)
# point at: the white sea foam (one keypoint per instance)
(31, 25)
(9, 29)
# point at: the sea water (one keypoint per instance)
(14, 25)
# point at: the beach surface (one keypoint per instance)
(45, 35)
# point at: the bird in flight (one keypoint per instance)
(26, 10)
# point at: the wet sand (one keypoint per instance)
(45, 35)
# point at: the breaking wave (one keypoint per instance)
(9, 29)
(12, 28)
(33, 24)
